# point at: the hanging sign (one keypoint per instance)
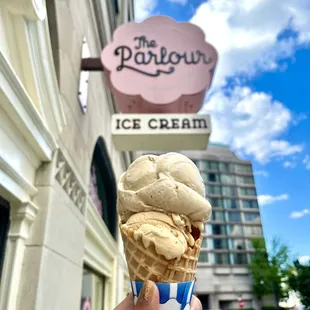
(157, 132)
(159, 66)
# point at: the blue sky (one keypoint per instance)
(260, 99)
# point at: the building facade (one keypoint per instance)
(223, 277)
(59, 243)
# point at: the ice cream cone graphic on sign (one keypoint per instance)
(162, 207)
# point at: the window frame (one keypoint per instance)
(4, 230)
(108, 190)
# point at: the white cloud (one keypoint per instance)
(299, 118)
(247, 43)
(262, 173)
(289, 164)
(251, 122)
(182, 2)
(144, 8)
(306, 162)
(304, 259)
(299, 214)
(268, 199)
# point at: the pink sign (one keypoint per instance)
(159, 66)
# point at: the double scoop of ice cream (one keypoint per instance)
(162, 200)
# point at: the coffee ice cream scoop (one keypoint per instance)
(169, 183)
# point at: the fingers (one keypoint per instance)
(126, 304)
(195, 304)
(149, 297)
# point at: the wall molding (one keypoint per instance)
(21, 109)
(11, 180)
(100, 237)
(69, 182)
(103, 255)
(45, 73)
(30, 9)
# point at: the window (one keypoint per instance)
(102, 186)
(247, 191)
(218, 229)
(93, 190)
(251, 217)
(196, 162)
(243, 169)
(234, 230)
(218, 216)
(204, 299)
(92, 291)
(207, 229)
(128, 14)
(213, 177)
(253, 231)
(203, 257)
(234, 204)
(240, 259)
(115, 7)
(250, 204)
(225, 167)
(204, 243)
(202, 165)
(245, 180)
(213, 189)
(248, 169)
(251, 256)
(249, 245)
(231, 203)
(204, 177)
(213, 166)
(220, 244)
(238, 244)
(216, 202)
(4, 228)
(221, 258)
(234, 216)
(227, 178)
(229, 191)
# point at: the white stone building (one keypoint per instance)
(59, 243)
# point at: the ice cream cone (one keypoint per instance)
(162, 208)
(145, 264)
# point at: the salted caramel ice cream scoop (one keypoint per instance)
(161, 202)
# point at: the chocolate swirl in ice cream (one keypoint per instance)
(161, 198)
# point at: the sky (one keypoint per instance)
(260, 99)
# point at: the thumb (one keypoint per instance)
(149, 297)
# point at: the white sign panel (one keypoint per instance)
(160, 132)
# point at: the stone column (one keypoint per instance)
(22, 217)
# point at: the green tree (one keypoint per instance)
(299, 281)
(270, 270)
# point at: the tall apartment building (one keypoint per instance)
(223, 276)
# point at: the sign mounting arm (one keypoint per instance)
(91, 64)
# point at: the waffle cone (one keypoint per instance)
(145, 264)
